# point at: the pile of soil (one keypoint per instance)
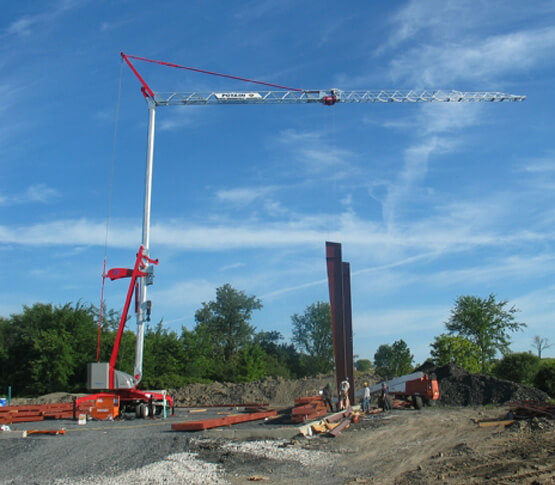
(459, 387)
(273, 390)
(52, 398)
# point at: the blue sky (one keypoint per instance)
(430, 201)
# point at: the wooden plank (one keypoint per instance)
(506, 422)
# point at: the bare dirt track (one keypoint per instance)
(434, 445)
(441, 445)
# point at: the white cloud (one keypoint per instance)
(228, 267)
(177, 118)
(184, 294)
(39, 193)
(539, 166)
(244, 195)
(317, 155)
(398, 321)
(23, 27)
(438, 118)
(416, 158)
(538, 307)
(475, 59)
(439, 233)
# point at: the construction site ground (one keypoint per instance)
(439, 444)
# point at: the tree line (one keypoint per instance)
(46, 348)
(478, 331)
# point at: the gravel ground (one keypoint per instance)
(98, 449)
(137, 451)
(435, 445)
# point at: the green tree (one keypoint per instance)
(226, 322)
(363, 365)
(46, 348)
(199, 362)
(163, 366)
(312, 336)
(545, 378)
(457, 350)
(281, 359)
(485, 322)
(393, 360)
(252, 363)
(518, 367)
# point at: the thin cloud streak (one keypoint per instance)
(476, 60)
(437, 234)
(23, 27)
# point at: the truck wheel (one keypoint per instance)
(417, 401)
(141, 411)
(145, 411)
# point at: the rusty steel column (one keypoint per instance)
(335, 284)
(348, 332)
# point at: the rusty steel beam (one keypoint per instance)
(218, 422)
(335, 284)
(348, 332)
(339, 282)
(340, 427)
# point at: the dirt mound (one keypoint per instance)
(274, 390)
(461, 388)
(54, 397)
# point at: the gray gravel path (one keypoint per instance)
(96, 449)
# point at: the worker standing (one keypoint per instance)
(344, 394)
(366, 398)
(326, 395)
(386, 405)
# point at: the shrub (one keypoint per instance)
(519, 367)
(545, 377)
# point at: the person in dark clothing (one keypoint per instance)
(384, 397)
(326, 395)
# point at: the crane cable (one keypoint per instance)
(108, 211)
(212, 73)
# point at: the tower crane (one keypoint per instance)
(142, 274)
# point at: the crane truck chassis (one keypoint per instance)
(103, 376)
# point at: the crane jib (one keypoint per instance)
(328, 97)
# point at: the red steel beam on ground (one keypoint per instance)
(335, 284)
(218, 422)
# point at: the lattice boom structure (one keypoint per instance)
(329, 97)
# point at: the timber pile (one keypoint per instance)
(308, 409)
